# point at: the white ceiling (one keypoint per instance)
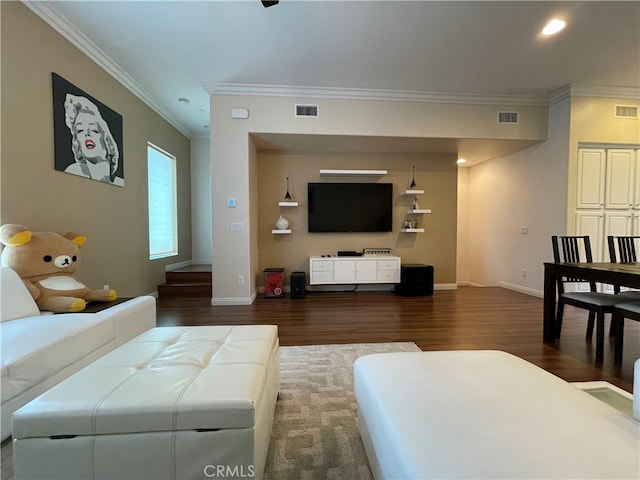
(166, 50)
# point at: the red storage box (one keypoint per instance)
(273, 278)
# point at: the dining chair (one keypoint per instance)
(623, 249)
(631, 311)
(577, 249)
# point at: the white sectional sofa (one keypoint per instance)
(487, 415)
(38, 350)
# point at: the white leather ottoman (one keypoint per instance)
(486, 415)
(173, 403)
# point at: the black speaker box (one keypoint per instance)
(415, 280)
(298, 284)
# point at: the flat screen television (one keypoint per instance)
(350, 207)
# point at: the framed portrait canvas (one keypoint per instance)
(87, 135)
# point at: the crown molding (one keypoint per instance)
(86, 46)
(90, 49)
(596, 91)
(201, 137)
(243, 89)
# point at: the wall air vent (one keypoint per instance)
(507, 117)
(306, 110)
(626, 111)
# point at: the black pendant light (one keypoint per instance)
(287, 195)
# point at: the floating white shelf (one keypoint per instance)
(412, 230)
(413, 192)
(281, 232)
(420, 210)
(352, 172)
(288, 204)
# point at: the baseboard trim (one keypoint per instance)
(467, 283)
(521, 289)
(218, 302)
(445, 286)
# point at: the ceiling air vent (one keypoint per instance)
(626, 111)
(306, 110)
(507, 117)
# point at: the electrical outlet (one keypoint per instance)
(105, 286)
(524, 272)
(237, 227)
(524, 230)
(240, 279)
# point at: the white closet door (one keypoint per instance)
(591, 224)
(636, 190)
(615, 223)
(591, 177)
(620, 178)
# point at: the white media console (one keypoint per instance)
(364, 269)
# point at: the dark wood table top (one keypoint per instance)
(625, 274)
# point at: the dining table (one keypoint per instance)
(622, 274)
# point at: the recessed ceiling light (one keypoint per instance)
(554, 26)
(461, 160)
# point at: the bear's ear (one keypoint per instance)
(13, 235)
(76, 238)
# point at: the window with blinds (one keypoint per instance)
(163, 207)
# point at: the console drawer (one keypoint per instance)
(322, 265)
(388, 276)
(388, 264)
(321, 277)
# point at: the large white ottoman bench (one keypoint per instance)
(486, 415)
(173, 403)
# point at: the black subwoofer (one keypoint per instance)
(415, 280)
(298, 284)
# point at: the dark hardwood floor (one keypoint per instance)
(467, 318)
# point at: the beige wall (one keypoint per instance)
(234, 160)
(525, 189)
(201, 200)
(435, 174)
(536, 188)
(463, 273)
(34, 194)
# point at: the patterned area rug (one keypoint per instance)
(315, 432)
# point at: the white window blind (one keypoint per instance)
(163, 208)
